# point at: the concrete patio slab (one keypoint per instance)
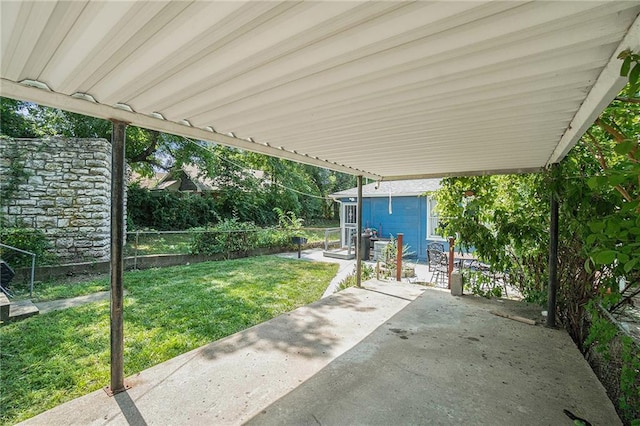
(392, 353)
(447, 360)
(233, 379)
(56, 305)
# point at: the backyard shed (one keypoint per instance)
(393, 207)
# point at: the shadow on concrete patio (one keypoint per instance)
(448, 360)
(307, 331)
(366, 356)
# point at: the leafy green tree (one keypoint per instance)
(15, 120)
(145, 149)
(242, 194)
(506, 219)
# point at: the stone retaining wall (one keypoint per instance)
(62, 187)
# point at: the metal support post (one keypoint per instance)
(399, 257)
(117, 258)
(359, 235)
(452, 246)
(553, 259)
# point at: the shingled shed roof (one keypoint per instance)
(387, 90)
(396, 188)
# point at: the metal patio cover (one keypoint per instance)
(386, 90)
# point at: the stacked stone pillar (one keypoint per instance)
(62, 187)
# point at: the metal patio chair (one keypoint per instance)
(438, 264)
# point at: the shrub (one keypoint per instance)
(228, 236)
(31, 240)
(289, 225)
(168, 210)
(231, 235)
(350, 280)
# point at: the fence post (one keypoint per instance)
(33, 272)
(326, 239)
(135, 253)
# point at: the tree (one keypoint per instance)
(145, 149)
(290, 186)
(599, 186)
(15, 120)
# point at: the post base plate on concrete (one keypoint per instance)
(109, 392)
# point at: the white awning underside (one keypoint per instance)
(383, 89)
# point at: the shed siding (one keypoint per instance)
(409, 216)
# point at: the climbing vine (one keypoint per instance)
(15, 172)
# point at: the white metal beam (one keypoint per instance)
(69, 103)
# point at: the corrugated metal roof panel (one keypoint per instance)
(383, 89)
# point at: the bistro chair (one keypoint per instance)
(438, 264)
(435, 247)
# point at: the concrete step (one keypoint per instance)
(341, 254)
(4, 307)
(22, 309)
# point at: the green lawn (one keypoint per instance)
(180, 243)
(52, 358)
(158, 244)
(61, 289)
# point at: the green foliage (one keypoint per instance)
(614, 237)
(390, 258)
(59, 289)
(52, 358)
(28, 239)
(598, 185)
(505, 220)
(234, 236)
(481, 284)
(150, 242)
(603, 336)
(145, 149)
(629, 375)
(242, 192)
(228, 236)
(15, 175)
(630, 68)
(390, 252)
(289, 225)
(163, 210)
(288, 220)
(142, 243)
(601, 332)
(14, 119)
(351, 279)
